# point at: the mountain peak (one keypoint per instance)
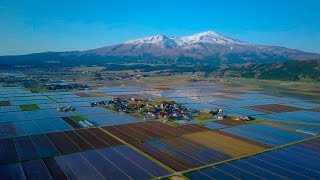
(210, 37)
(160, 40)
(208, 33)
(207, 37)
(208, 45)
(151, 39)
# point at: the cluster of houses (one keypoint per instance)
(116, 104)
(169, 110)
(148, 109)
(164, 109)
(219, 113)
(244, 118)
(66, 109)
(63, 85)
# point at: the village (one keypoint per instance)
(159, 108)
(164, 109)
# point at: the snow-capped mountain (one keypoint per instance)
(209, 37)
(160, 40)
(206, 45)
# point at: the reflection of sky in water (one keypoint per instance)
(296, 116)
(110, 119)
(181, 91)
(304, 128)
(242, 111)
(267, 134)
(214, 125)
(193, 96)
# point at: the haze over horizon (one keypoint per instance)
(39, 26)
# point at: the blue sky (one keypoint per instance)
(28, 26)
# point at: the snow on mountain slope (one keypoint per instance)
(203, 45)
(161, 40)
(207, 46)
(209, 37)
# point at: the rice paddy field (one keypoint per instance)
(39, 142)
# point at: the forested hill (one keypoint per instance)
(292, 70)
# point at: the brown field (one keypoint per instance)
(225, 144)
(158, 130)
(63, 143)
(143, 131)
(274, 108)
(316, 110)
(203, 145)
(94, 94)
(90, 138)
(111, 141)
(206, 147)
(277, 125)
(5, 103)
(316, 101)
(126, 136)
(192, 128)
(250, 141)
(84, 145)
(141, 128)
(208, 159)
(161, 157)
(227, 97)
(133, 132)
(230, 122)
(71, 123)
(162, 86)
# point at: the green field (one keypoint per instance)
(77, 118)
(29, 107)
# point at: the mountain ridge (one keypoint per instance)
(209, 45)
(210, 37)
(199, 46)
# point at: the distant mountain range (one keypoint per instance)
(202, 46)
